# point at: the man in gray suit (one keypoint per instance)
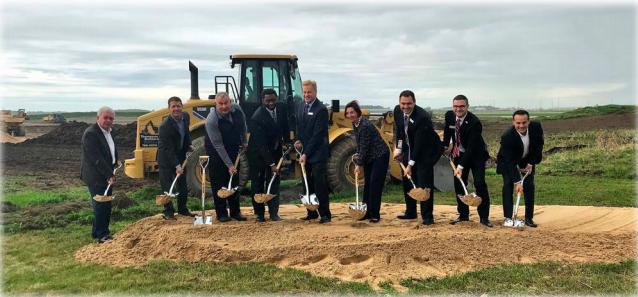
(99, 158)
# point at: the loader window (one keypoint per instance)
(297, 93)
(273, 77)
(250, 93)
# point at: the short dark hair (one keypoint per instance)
(461, 97)
(175, 99)
(408, 93)
(520, 112)
(268, 92)
(355, 105)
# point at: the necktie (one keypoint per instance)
(406, 121)
(458, 139)
(306, 109)
(274, 115)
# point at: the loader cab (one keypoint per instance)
(259, 72)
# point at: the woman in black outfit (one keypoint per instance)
(374, 155)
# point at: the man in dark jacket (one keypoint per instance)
(418, 148)
(469, 152)
(174, 142)
(226, 135)
(268, 133)
(99, 158)
(521, 147)
(312, 135)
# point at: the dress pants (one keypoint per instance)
(478, 172)
(423, 178)
(528, 194)
(316, 173)
(374, 173)
(167, 175)
(219, 177)
(259, 176)
(101, 213)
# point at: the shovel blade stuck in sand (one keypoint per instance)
(203, 219)
(357, 212)
(310, 201)
(471, 199)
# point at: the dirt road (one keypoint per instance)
(387, 251)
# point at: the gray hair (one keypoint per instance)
(222, 95)
(103, 109)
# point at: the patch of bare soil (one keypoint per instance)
(387, 251)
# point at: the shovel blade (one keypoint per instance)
(519, 223)
(200, 220)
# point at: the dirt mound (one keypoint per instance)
(387, 251)
(71, 134)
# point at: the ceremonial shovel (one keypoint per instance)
(470, 199)
(203, 219)
(310, 201)
(104, 198)
(357, 211)
(167, 197)
(263, 198)
(227, 192)
(417, 194)
(519, 223)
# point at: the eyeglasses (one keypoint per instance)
(108, 118)
(459, 106)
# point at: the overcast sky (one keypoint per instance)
(78, 57)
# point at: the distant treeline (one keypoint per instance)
(79, 114)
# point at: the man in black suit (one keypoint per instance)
(312, 135)
(418, 148)
(174, 142)
(521, 147)
(469, 152)
(99, 158)
(269, 132)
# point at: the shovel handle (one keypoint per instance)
(281, 160)
(403, 167)
(237, 159)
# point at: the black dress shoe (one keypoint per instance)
(223, 219)
(486, 222)
(309, 217)
(105, 239)
(239, 217)
(325, 220)
(406, 217)
(374, 220)
(427, 222)
(275, 218)
(530, 223)
(187, 213)
(459, 219)
(260, 219)
(168, 217)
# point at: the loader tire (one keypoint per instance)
(194, 172)
(340, 168)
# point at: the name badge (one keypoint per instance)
(452, 127)
(411, 121)
(400, 144)
(310, 113)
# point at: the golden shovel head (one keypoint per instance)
(163, 199)
(419, 194)
(223, 193)
(471, 200)
(356, 214)
(101, 198)
(311, 207)
(263, 198)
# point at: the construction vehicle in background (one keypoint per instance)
(256, 73)
(12, 125)
(55, 118)
(22, 114)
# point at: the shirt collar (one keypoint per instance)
(177, 121)
(462, 119)
(104, 131)
(526, 133)
(311, 103)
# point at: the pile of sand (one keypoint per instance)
(387, 251)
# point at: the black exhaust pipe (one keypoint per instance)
(194, 87)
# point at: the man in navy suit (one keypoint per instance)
(469, 151)
(312, 136)
(174, 142)
(99, 158)
(268, 133)
(521, 148)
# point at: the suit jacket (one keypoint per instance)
(510, 155)
(471, 138)
(170, 152)
(97, 162)
(266, 137)
(425, 145)
(312, 131)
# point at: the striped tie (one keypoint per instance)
(455, 153)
